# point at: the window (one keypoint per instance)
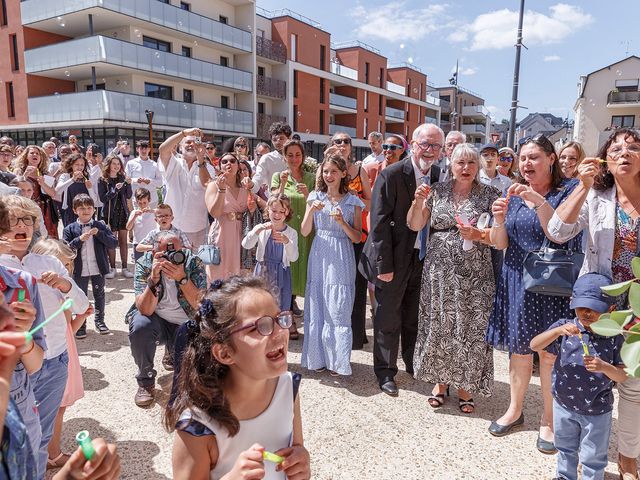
(261, 108)
(185, 6)
(223, 19)
(99, 86)
(321, 122)
(224, 61)
(186, 51)
(15, 58)
(156, 44)
(294, 47)
(11, 107)
(295, 84)
(322, 90)
(224, 101)
(618, 121)
(381, 80)
(165, 1)
(366, 127)
(323, 54)
(261, 71)
(379, 106)
(187, 96)
(366, 72)
(366, 101)
(295, 117)
(158, 91)
(3, 12)
(627, 85)
(379, 126)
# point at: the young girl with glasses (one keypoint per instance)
(236, 399)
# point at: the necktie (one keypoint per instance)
(424, 233)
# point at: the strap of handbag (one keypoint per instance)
(573, 245)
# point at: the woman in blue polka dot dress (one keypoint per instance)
(517, 315)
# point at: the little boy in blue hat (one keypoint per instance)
(583, 383)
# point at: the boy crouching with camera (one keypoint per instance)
(167, 282)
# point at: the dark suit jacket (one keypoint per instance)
(390, 244)
(102, 241)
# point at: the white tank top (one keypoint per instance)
(273, 429)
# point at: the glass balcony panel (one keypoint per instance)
(343, 101)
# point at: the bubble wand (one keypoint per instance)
(84, 440)
(272, 457)
(65, 306)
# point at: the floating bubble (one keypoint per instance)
(62, 25)
(157, 54)
(185, 106)
(163, 106)
(195, 42)
(402, 45)
(67, 73)
(179, 23)
(307, 131)
(59, 19)
(410, 60)
(125, 83)
(249, 27)
(619, 73)
(56, 94)
(299, 114)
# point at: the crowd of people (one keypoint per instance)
(431, 231)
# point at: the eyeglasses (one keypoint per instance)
(28, 221)
(506, 159)
(241, 145)
(160, 217)
(224, 161)
(616, 152)
(265, 325)
(427, 145)
(340, 141)
(391, 146)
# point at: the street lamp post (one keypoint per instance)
(149, 114)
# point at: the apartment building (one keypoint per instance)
(608, 98)
(464, 110)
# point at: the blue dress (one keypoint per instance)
(517, 315)
(275, 272)
(329, 295)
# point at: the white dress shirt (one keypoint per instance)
(89, 263)
(270, 163)
(500, 182)
(373, 158)
(418, 173)
(138, 168)
(94, 175)
(55, 331)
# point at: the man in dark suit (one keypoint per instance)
(392, 257)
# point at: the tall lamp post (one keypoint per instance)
(516, 81)
(149, 114)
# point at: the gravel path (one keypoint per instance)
(352, 430)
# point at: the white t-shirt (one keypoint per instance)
(500, 182)
(168, 306)
(373, 158)
(138, 168)
(142, 225)
(185, 194)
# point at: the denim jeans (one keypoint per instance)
(145, 333)
(25, 401)
(97, 286)
(583, 438)
(48, 386)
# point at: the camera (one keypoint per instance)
(177, 257)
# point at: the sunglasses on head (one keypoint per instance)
(391, 146)
(224, 161)
(542, 141)
(340, 141)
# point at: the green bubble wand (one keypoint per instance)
(65, 306)
(272, 457)
(84, 440)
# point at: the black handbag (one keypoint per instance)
(551, 271)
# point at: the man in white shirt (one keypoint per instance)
(453, 139)
(272, 162)
(186, 179)
(144, 173)
(124, 151)
(261, 149)
(375, 143)
(488, 173)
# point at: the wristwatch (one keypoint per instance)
(183, 281)
(152, 286)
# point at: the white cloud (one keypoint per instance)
(498, 29)
(551, 58)
(463, 69)
(395, 22)
(468, 71)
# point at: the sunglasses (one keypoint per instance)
(391, 146)
(241, 145)
(506, 159)
(265, 325)
(340, 141)
(224, 161)
(542, 141)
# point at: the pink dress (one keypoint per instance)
(226, 232)
(74, 390)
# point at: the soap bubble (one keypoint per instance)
(179, 23)
(307, 131)
(163, 106)
(157, 54)
(195, 42)
(67, 73)
(402, 45)
(62, 24)
(410, 60)
(59, 19)
(299, 114)
(125, 83)
(185, 106)
(56, 94)
(619, 73)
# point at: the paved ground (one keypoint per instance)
(352, 430)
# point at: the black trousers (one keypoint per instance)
(358, 315)
(396, 321)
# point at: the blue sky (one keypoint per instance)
(565, 39)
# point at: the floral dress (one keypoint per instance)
(623, 253)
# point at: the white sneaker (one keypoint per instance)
(111, 274)
(126, 273)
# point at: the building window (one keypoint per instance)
(156, 44)
(185, 6)
(322, 90)
(366, 72)
(366, 127)
(321, 122)
(223, 19)
(366, 101)
(158, 91)
(295, 84)
(618, 121)
(295, 117)
(379, 106)
(99, 86)
(379, 126)
(3, 13)
(15, 58)
(165, 1)
(261, 108)
(11, 106)
(627, 85)
(323, 54)
(261, 71)
(186, 51)
(224, 61)
(187, 95)
(224, 101)
(294, 47)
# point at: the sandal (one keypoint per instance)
(436, 401)
(58, 462)
(471, 407)
(334, 374)
(320, 370)
(293, 331)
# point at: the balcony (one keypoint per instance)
(432, 120)
(474, 128)
(271, 50)
(69, 17)
(394, 87)
(264, 121)
(343, 101)
(394, 113)
(333, 129)
(477, 111)
(623, 99)
(117, 56)
(433, 100)
(343, 71)
(103, 105)
(271, 87)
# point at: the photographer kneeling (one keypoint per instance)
(167, 283)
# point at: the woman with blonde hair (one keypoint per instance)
(241, 148)
(570, 156)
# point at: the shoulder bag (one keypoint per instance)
(209, 253)
(551, 271)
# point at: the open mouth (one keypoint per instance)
(20, 236)
(276, 354)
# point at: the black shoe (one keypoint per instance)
(145, 396)
(102, 328)
(498, 430)
(546, 447)
(82, 332)
(388, 386)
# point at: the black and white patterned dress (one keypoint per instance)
(456, 297)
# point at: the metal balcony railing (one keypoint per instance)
(264, 121)
(343, 101)
(333, 129)
(271, 87)
(394, 113)
(344, 71)
(270, 49)
(623, 97)
(394, 87)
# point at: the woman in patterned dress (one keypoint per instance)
(606, 203)
(457, 284)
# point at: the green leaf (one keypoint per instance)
(617, 288)
(634, 298)
(622, 317)
(607, 327)
(635, 329)
(635, 266)
(630, 354)
(633, 372)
